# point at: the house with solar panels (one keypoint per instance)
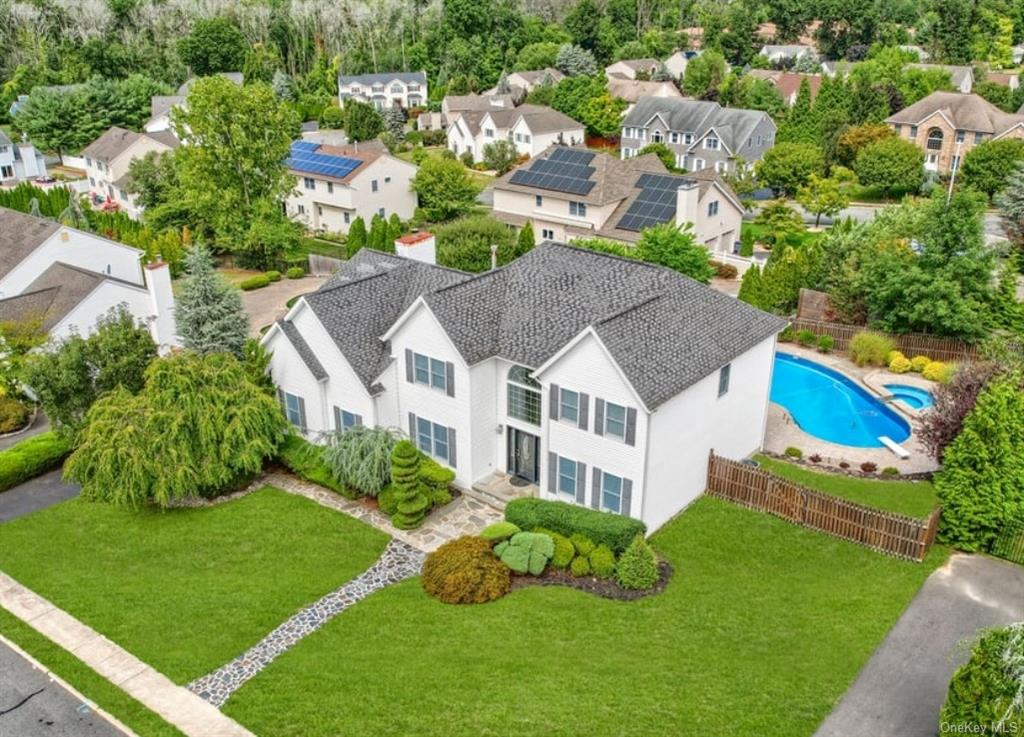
(567, 374)
(336, 183)
(701, 134)
(388, 89)
(568, 193)
(529, 128)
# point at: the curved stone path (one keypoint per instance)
(398, 562)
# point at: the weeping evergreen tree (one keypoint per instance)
(411, 500)
(356, 237)
(209, 312)
(198, 427)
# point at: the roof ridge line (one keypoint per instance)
(637, 305)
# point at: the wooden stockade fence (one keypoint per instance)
(323, 265)
(910, 344)
(756, 488)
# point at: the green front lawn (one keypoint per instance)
(761, 630)
(187, 590)
(912, 498)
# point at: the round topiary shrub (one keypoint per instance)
(638, 566)
(565, 551)
(465, 571)
(274, 275)
(254, 282)
(793, 452)
(583, 544)
(580, 566)
(295, 272)
(499, 531)
(937, 371)
(900, 364)
(602, 562)
(917, 363)
(986, 689)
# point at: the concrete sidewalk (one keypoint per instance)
(176, 704)
(902, 688)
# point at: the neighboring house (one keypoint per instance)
(160, 106)
(595, 380)
(961, 77)
(335, 184)
(839, 68)
(19, 162)
(1006, 79)
(947, 125)
(530, 128)
(529, 80)
(676, 64)
(787, 84)
(108, 159)
(632, 68)
(454, 105)
(571, 193)
(65, 279)
(780, 52)
(389, 89)
(701, 134)
(633, 90)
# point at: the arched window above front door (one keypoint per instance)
(523, 395)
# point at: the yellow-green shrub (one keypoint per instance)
(917, 363)
(465, 571)
(900, 364)
(937, 371)
(867, 348)
(892, 356)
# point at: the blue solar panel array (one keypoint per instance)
(304, 158)
(656, 203)
(565, 170)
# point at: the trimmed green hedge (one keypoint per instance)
(254, 282)
(604, 528)
(302, 458)
(31, 457)
(295, 272)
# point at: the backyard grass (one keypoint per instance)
(187, 590)
(85, 680)
(478, 177)
(912, 498)
(761, 630)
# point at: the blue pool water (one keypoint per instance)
(911, 395)
(828, 405)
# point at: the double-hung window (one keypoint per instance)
(293, 408)
(615, 420)
(578, 209)
(547, 234)
(712, 209)
(569, 406)
(429, 371)
(432, 439)
(687, 138)
(611, 493)
(711, 142)
(567, 477)
(373, 185)
(723, 379)
(538, 200)
(309, 183)
(330, 188)
(345, 420)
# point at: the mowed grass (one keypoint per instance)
(187, 590)
(761, 630)
(912, 498)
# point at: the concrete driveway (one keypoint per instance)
(266, 306)
(39, 493)
(901, 689)
(32, 705)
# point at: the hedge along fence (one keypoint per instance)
(894, 534)
(909, 344)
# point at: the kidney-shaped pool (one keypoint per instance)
(830, 406)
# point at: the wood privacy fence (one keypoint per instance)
(323, 265)
(910, 344)
(893, 534)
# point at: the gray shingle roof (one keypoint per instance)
(302, 348)
(665, 330)
(52, 295)
(734, 125)
(111, 144)
(385, 77)
(965, 111)
(20, 235)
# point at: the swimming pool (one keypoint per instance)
(912, 396)
(830, 406)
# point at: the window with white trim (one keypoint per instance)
(488, 133)
(523, 395)
(347, 216)
(687, 138)
(611, 493)
(578, 209)
(293, 409)
(432, 439)
(567, 476)
(373, 185)
(698, 164)
(721, 166)
(538, 200)
(711, 142)
(673, 137)
(309, 182)
(429, 371)
(345, 420)
(569, 406)
(712, 209)
(615, 420)
(547, 234)
(723, 379)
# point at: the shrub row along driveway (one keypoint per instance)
(903, 686)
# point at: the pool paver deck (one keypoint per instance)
(176, 704)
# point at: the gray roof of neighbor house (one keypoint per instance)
(302, 348)
(110, 144)
(733, 125)
(957, 74)
(236, 77)
(420, 77)
(964, 111)
(463, 103)
(786, 49)
(20, 235)
(635, 90)
(540, 118)
(363, 299)
(161, 104)
(637, 64)
(4, 140)
(665, 330)
(53, 295)
(537, 75)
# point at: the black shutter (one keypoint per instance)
(337, 419)
(631, 426)
(408, 365)
(553, 402)
(302, 414)
(412, 430)
(552, 471)
(581, 483)
(599, 416)
(595, 490)
(584, 411)
(359, 419)
(451, 447)
(627, 497)
(449, 369)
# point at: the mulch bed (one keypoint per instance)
(605, 588)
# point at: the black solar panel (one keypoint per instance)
(655, 204)
(555, 177)
(572, 156)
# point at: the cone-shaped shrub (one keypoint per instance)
(411, 499)
(638, 566)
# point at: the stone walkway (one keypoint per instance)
(176, 704)
(464, 516)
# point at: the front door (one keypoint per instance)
(523, 455)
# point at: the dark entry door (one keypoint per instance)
(523, 455)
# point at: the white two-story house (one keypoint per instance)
(595, 380)
(63, 279)
(19, 162)
(568, 193)
(389, 89)
(109, 158)
(530, 128)
(335, 184)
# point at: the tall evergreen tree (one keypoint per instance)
(356, 237)
(801, 124)
(209, 311)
